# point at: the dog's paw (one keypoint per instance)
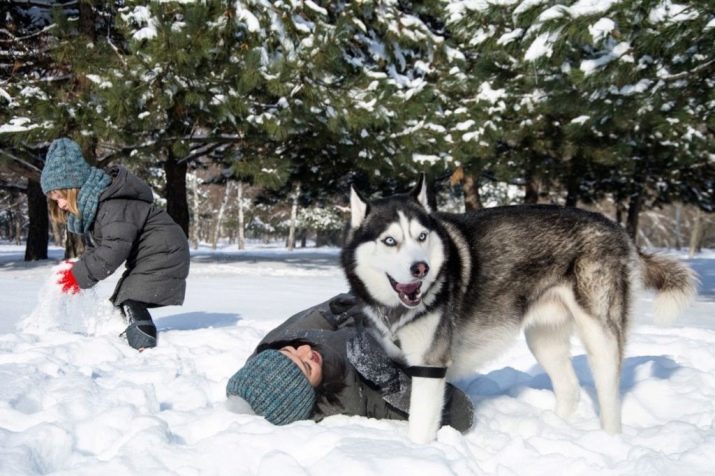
(567, 404)
(422, 430)
(421, 437)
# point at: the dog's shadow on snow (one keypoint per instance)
(512, 382)
(190, 321)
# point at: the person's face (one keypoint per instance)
(309, 361)
(59, 197)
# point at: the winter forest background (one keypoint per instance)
(251, 118)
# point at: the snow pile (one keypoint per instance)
(84, 313)
(78, 401)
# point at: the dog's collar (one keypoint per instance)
(426, 372)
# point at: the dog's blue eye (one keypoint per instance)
(389, 241)
(422, 237)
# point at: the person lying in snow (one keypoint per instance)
(115, 213)
(323, 362)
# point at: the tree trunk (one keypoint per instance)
(634, 209)
(290, 244)
(470, 190)
(74, 246)
(241, 235)
(531, 194)
(678, 231)
(196, 213)
(696, 235)
(18, 228)
(573, 187)
(87, 20)
(222, 210)
(38, 230)
(57, 233)
(176, 202)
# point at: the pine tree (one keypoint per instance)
(589, 98)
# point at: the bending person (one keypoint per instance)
(114, 211)
(323, 361)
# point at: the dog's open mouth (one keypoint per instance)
(409, 293)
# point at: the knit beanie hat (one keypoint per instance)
(275, 388)
(65, 166)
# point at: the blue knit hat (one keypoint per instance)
(65, 166)
(275, 387)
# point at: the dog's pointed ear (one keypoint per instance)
(358, 208)
(419, 193)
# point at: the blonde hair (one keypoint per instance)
(58, 215)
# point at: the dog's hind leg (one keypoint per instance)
(600, 305)
(604, 357)
(548, 329)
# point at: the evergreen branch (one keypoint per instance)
(26, 37)
(116, 50)
(21, 161)
(684, 74)
(49, 4)
(126, 150)
(201, 151)
(224, 139)
(212, 142)
(12, 187)
(50, 79)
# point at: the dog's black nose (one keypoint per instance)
(419, 269)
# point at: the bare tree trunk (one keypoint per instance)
(572, 190)
(644, 239)
(18, 228)
(195, 212)
(37, 232)
(241, 235)
(290, 244)
(619, 212)
(634, 208)
(58, 236)
(696, 235)
(531, 194)
(87, 20)
(678, 231)
(74, 246)
(175, 192)
(470, 190)
(221, 212)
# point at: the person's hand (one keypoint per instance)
(68, 284)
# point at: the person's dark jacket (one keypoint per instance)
(375, 386)
(129, 227)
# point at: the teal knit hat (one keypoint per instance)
(274, 387)
(65, 166)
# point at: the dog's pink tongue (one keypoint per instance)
(408, 288)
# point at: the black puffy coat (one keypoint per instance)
(129, 227)
(374, 385)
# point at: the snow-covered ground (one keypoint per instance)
(75, 399)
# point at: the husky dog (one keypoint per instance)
(447, 292)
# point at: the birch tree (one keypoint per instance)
(228, 191)
(241, 224)
(290, 244)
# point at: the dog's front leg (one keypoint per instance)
(426, 351)
(426, 402)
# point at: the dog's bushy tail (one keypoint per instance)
(674, 283)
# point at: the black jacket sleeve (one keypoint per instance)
(116, 228)
(320, 317)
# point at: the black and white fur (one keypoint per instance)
(453, 290)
